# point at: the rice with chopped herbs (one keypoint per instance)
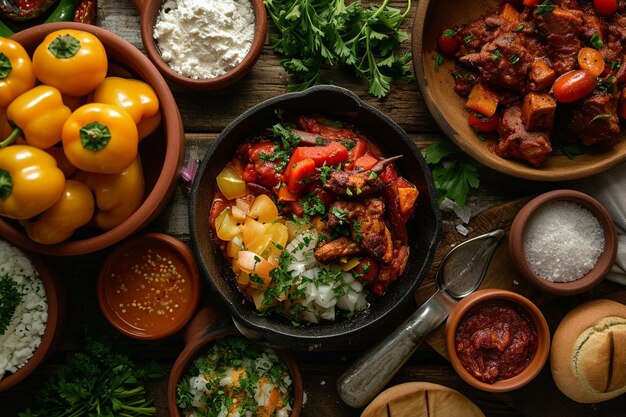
(236, 378)
(23, 309)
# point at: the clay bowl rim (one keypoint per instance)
(149, 11)
(555, 168)
(592, 278)
(55, 296)
(339, 333)
(196, 344)
(186, 256)
(173, 135)
(533, 312)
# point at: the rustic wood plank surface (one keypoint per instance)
(204, 116)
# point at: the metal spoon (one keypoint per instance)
(460, 273)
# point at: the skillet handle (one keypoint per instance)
(372, 371)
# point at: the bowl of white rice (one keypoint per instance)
(31, 312)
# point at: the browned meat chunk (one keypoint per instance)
(594, 119)
(561, 28)
(593, 25)
(502, 63)
(540, 76)
(367, 225)
(336, 249)
(354, 184)
(538, 111)
(518, 143)
(478, 32)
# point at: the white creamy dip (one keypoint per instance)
(203, 39)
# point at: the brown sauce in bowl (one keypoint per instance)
(495, 340)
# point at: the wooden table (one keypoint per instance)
(204, 116)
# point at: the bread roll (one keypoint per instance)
(588, 354)
(421, 399)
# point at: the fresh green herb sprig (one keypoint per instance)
(320, 33)
(452, 173)
(10, 298)
(97, 382)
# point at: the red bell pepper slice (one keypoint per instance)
(332, 154)
(365, 162)
(300, 171)
(357, 151)
(389, 174)
(285, 195)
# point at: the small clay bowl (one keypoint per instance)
(532, 312)
(55, 295)
(127, 289)
(149, 11)
(205, 328)
(593, 277)
(162, 153)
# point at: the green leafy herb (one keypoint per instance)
(571, 151)
(348, 144)
(596, 41)
(452, 174)
(10, 298)
(468, 38)
(603, 116)
(607, 85)
(496, 54)
(544, 8)
(329, 32)
(615, 65)
(514, 59)
(97, 382)
(449, 33)
(325, 172)
(284, 133)
(438, 61)
(313, 205)
(519, 28)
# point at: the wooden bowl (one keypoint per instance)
(55, 295)
(162, 153)
(533, 313)
(206, 327)
(593, 277)
(424, 229)
(449, 109)
(149, 10)
(159, 244)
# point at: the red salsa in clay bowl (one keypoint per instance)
(497, 340)
(149, 286)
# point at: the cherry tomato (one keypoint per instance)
(483, 124)
(605, 7)
(448, 43)
(573, 86)
(591, 60)
(531, 3)
(366, 271)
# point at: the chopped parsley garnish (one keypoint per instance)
(372, 175)
(10, 298)
(544, 8)
(519, 28)
(615, 65)
(571, 151)
(438, 61)
(496, 54)
(603, 116)
(288, 139)
(468, 38)
(349, 192)
(339, 213)
(449, 33)
(348, 144)
(325, 173)
(607, 85)
(514, 59)
(596, 41)
(313, 205)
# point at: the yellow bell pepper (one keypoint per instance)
(30, 181)
(74, 61)
(16, 71)
(136, 97)
(100, 138)
(117, 195)
(38, 114)
(62, 162)
(72, 210)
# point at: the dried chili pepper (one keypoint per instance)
(86, 11)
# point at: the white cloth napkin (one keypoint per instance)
(609, 188)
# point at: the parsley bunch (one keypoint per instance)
(97, 382)
(10, 298)
(314, 33)
(452, 174)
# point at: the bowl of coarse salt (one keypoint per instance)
(203, 45)
(564, 242)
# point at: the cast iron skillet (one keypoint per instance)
(424, 230)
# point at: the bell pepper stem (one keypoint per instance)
(11, 138)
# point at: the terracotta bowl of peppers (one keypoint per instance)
(153, 159)
(424, 229)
